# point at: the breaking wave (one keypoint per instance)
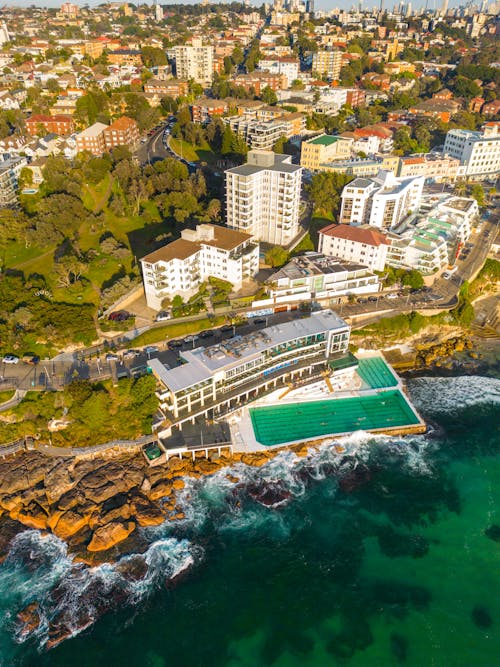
(64, 597)
(449, 395)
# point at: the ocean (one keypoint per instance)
(386, 554)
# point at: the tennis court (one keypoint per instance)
(278, 424)
(376, 373)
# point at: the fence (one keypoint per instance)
(28, 444)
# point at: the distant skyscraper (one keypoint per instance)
(444, 7)
(310, 6)
(158, 11)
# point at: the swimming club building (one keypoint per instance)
(216, 380)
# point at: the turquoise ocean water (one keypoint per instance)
(380, 556)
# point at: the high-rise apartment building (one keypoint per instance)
(383, 201)
(263, 197)
(478, 152)
(328, 63)
(195, 62)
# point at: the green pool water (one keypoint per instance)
(277, 424)
(376, 373)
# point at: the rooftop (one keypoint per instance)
(361, 234)
(202, 363)
(324, 140)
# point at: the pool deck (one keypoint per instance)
(367, 383)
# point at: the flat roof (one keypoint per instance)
(324, 140)
(202, 362)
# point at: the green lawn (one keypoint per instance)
(95, 197)
(192, 153)
(6, 395)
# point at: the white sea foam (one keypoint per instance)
(448, 395)
(37, 564)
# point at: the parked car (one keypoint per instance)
(191, 338)
(150, 349)
(372, 299)
(392, 295)
(112, 357)
(10, 359)
(131, 354)
(173, 344)
(31, 359)
(163, 315)
(119, 316)
(260, 320)
(206, 334)
(362, 300)
(226, 328)
(435, 297)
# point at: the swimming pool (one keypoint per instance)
(375, 372)
(278, 424)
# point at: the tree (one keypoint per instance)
(279, 146)
(277, 256)
(269, 96)
(413, 279)
(325, 189)
(152, 57)
(477, 191)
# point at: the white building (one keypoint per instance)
(314, 276)
(478, 152)
(435, 240)
(287, 66)
(383, 201)
(195, 62)
(218, 379)
(180, 267)
(10, 170)
(263, 197)
(362, 245)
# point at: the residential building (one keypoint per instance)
(362, 167)
(263, 197)
(285, 65)
(362, 245)
(9, 177)
(122, 132)
(491, 108)
(125, 57)
(433, 166)
(261, 134)
(433, 241)
(59, 124)
(315, 276)
(203, 109)
(327, 62)
(180, 267)
(478, 152)
(172, 88)
(92, 139)
(195, 62)
(383, 201)
(322, 149)
(258, 80)
(214, 380)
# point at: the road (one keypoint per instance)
(153, 149)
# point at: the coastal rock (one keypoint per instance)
(109, 535)
(178, 484)
(32, 516)
(133, 568)
(273, 494)
(356, 478)
(28, 619)
(160, 490)
(148, 515)
(58, 481)
(258, 459)
(208, 467)
(70, 523)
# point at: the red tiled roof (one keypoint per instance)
(358, 234)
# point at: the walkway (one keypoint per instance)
(19, 394)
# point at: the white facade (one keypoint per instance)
(289, 67)
(220, 377)
(478, 152)
(383, 201)
(180, 267)
(435, 240)
(263, 197)
(195, 62)
(313, 275)
(354, 244)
